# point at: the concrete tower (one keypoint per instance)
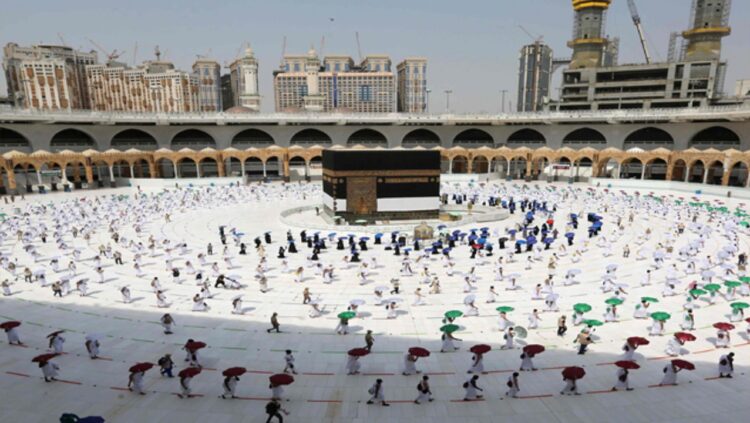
(709, 24)
(244, 79)
(534, 76)
(588, 33)
(313, 100)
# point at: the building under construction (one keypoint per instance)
(692, 77)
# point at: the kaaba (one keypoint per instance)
(381, 184)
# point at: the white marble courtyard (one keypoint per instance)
(322, 391)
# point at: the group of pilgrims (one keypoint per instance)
(559, 246)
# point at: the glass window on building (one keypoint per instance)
(338, 67)
(296, 67)
(365, 93)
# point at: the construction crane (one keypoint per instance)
(62, 40)
(359, 47)
(112, 56)
(639, 28)
(283, 53)
(537, 40)
(135, 53)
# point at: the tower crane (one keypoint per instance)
(537, 40)
(637, 22)
(115, 54)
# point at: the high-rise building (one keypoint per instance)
(534, 77)
(208, 73)
(303, 84)
(709, 20)
(244, 79)
(589, 41)
(227, 95)
(412, 85)
(47, 77)
(154, 87)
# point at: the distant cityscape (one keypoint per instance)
(60, 78)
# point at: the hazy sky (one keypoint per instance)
(472, 45)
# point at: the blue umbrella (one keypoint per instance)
(407, 249)
(446, 250)
(330, 234)
(573, 216)
(485, 229)
(364, 238)
(570, 235)
(436, 244)
(521, 241)
(378, 235)
(549, 240)
(512, 231)
(343, 237)
(482, 241)
(441, 226)
(457, 231)
(394, 232)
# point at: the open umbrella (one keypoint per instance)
(685, 337)
(739, 305)
(573, 373)
(533, 349)
(357, 302)
(613, 301)
(582, 308)
(419, 352)
(574, 271)
(281, 379)
(55, 333)
(394, 300)
(723, 326)
(234, 371)
(505, 309)
(452, 314)
(627, 364)
(660, 316)
(43, 358)
(480, 349)
(592, 322)
(521, 332)
(195, 345)
(732, 284)
(638, 341)
(347, 315)
(697, 292)
(358, 352)
(745, 279)
(382, 288)
(10, 324)
(470, 299)
(189, 372)
(712, 287)
(140, 367)
(683, 364)
(449, 328)
(649, 299)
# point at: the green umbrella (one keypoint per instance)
(712, 287)
(697, 292)
(449, 328)
(592, 323)
(505, 309)
(745, 223)
(452, 314)
(745, 279)
(582, 307)
(649, 299)
(347, 315)
(660, 316)
(732, 284)
(740, 306)
(613, 301)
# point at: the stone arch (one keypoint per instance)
(460, 164)
(716, 137)
(252, 138)
(586, 136)
(141, 169)
(298, 168)
(738, 174)
(696, 171)
(517, 167)
(368, 137)
(310, 137)
(649, 137)
(473, 138)
(187, 167)
(656, 169)
(208, 167)
(679, 171)
(165, 168)
(134, 138)
(273, 166)
(499, 165)
(192, 138)
(421, 137)
(72, 139)
(631, 168)
(715, 173)
(526, 136)
(253, 167)
(13, 140)
(480, 165)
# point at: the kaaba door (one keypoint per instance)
(361, 195)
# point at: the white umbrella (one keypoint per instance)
(357, 302)
(93, 337)
(382, 288)
(574, 271)
(237, 297)
(708, 273)
(612, 267)
(394, 300)
(552, 297)
(622, 285)
(659, 254)
(470, 298)
(315, 301)
(513, 275)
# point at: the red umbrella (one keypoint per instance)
(234, 371)
(141, 367)
(724, 326)
(533, 349)
(419, 352)
(638, 341)
(10, 324)
(358, 352)
(55, 333)
(281, 379)
(189, 372)
(192, 346)
(748, 320)
(684, 336)
(43, 358)
(573, 373)
(480, 349)
(683, 364)
(627, 364)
